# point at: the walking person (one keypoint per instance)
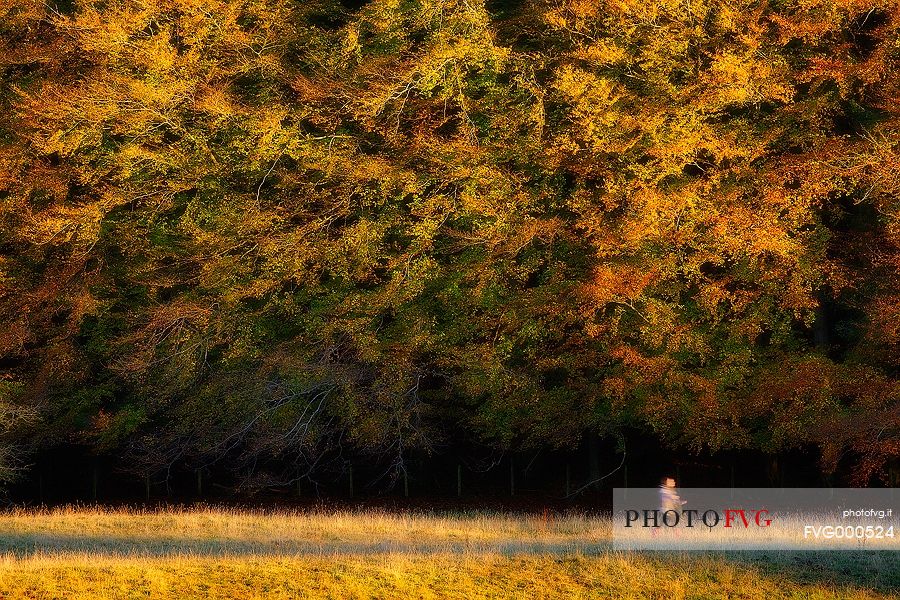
(668, 495)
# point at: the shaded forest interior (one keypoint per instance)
(580, 478)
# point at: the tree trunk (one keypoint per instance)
(593, 448)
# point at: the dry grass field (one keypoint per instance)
(90, 553)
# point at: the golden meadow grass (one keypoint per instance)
(89, 553)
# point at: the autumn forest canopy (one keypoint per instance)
(267, 234)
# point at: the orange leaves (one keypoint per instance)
(724, 299)
(312, 91)
(748, 78)
(655, 12)
(642, 369)
(176, 334)
(883, 333)
(591, 93)
(602, 53)
(34, 178)
(793, 397)
(859, 415)
(644, 200)
(65, 224)
(744, 231)
(601, 125)
(811, 20)
(574, 15)
(617, 283)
